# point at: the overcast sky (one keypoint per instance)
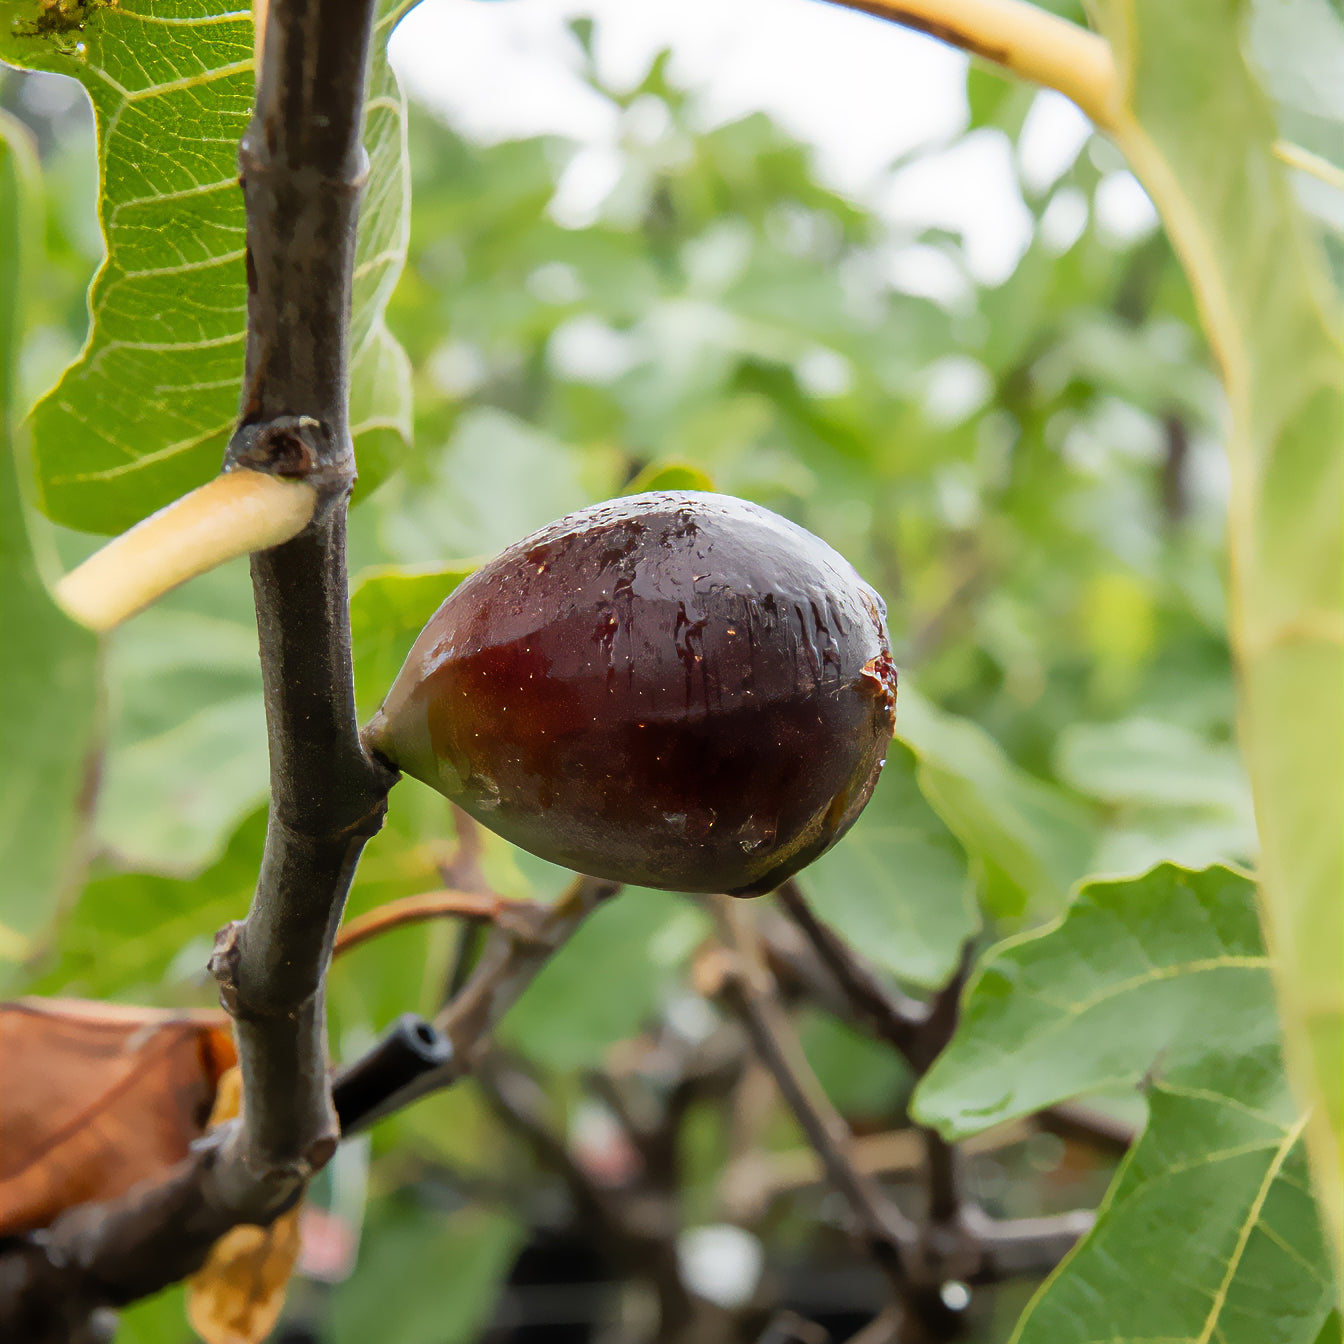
(860, 90)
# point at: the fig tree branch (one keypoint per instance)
(884, 1328)
(919, 1033)
(1011, 1248)
(787, 1327)
(756, 1179)
(637, 1232)
(302, 167)
(1021, 38)
(955, 1239)
(517, 949)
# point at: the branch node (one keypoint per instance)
(291, 446)
(319, 1154)
(223, 964)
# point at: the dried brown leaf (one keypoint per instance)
(98, 1097)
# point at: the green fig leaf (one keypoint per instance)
(897, 885)
(1234, 219)
(144, 413)
(1032, 838)
(389, 606)
(49, 675)
(1163, 979)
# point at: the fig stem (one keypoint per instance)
(231, 515)
(1021, 38)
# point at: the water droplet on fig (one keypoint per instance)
(757, 833)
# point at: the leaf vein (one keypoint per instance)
(1252, 1218)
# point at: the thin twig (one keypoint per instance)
(520, 947)
(735, 975)
(787, 1327)
(635, 1227)
(463, 871)
(955, 1240)
(443, 904)
(942, 1171)
(518, 1099)
(884, 1328)
(1012, 1248)
(524, 937)
(753, 1178)
(892, 1015)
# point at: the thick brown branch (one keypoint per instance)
(302, 169)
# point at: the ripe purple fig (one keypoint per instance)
(675, 689)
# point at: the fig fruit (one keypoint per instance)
(675, 689)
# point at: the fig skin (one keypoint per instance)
(675, 689)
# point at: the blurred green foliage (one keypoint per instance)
(1029, 472)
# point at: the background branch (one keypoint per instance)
(1024, 1247)
(955, 1240)
(736, 976)
(891, 1015)
(524, 937)
(635, 1226)
(444, 904)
